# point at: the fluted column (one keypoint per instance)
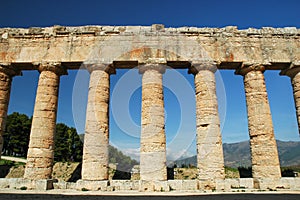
(264, 155)
(6, 74)
(153, 139)
(294, 73)
(96, 138)
(210, 159)
(41, 146)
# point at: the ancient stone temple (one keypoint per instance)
(152, 49)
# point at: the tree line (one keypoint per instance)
(68, 146)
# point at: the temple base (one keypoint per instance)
(201, 186)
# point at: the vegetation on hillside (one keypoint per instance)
(68, 144)
(238, 155)
(16, 135)
(124, 163)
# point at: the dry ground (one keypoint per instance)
(144, 196)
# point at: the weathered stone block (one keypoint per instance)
(207, 184)
(4, 183)
(232, 184)
(161, 186)
(71, 186)
(190, 185)
(17, 183)
(125, 184)
(286, 183)
(246, 183)
(44, 184)
(266, 183)
(175, 184)
(154, 186)
(60, 185)
(220, 185)
(153, 139)
(64, 185)
(296, 185)
(146, 186)
(133, 29)
(91, 185)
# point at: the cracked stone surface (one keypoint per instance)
(5, 85)
(128, 46)
(264, 155)
(96, 139)
(210, 159)
(153, 139)
(41, 146)
(296, 88)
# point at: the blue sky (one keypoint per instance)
(180, 130)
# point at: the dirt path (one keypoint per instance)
(22, 160)
(158, 197)
(91, 195)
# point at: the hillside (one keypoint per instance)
(124, 163)
(119, 168)
(238, 154)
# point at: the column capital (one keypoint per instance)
(248, 67)
(292, 70)
(107, 67)
(197, 66)
(160, 67)
(8, 69)
(55, 67)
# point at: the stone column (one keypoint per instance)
(6, 74)
(41, 146)
(264, 155)
(96, 138)
(153, 139)
(294, 73)
(210, 159)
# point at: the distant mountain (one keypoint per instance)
(124, 162)
(238, 154)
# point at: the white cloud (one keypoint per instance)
(174, 154)
(134, 153)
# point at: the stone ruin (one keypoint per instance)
(103, 49)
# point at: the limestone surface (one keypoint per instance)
(296, 88)
(6, 74)
(53, 50)
(210, 159)
(41, 146)
(264, 154)
(5, 84)
(274, 46)
(96, 139)
(153, 139)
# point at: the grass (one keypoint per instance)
(231, 172)
(11, 163)
(294, 168)
(6, 162)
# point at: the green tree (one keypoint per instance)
(125, 163)
(68, 146)
(16, 135)
(75, 145)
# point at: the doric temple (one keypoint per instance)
(152, 49)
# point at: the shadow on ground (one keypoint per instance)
(193, 197)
